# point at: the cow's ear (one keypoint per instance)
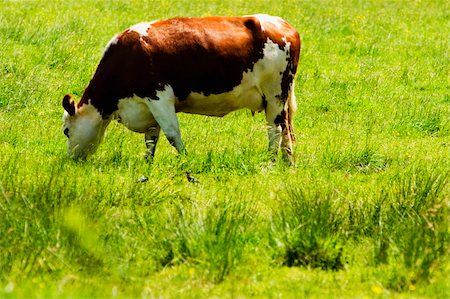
(69, 104)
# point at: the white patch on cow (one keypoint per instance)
(135, 114)
(166, 94)
(163, 109)
(86, 129)
(264, 19)
(141, 28)
(144, 114)
(263, 80)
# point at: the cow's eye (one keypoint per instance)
(66, 132)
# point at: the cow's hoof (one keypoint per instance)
(190, 178)
(142, 179)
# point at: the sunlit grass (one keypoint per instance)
(363, 213)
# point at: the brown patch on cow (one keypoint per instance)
(206, 55)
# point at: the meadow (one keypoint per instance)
(364, 213)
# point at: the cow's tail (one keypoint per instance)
(291, 109)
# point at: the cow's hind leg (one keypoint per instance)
(274, 128)
(279, 130)
(151, 139)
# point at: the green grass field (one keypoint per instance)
(364, 213)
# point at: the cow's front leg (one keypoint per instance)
(151, 139)
(163, 110)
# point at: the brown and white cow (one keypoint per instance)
(209, 66)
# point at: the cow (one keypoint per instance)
(209, 66)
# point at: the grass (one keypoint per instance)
(364, 213)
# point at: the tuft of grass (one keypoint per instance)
(421, 121)
(419, 221)
(361, 160)
(214, 237)
(409, 223)
(307, 226)
(406, 223)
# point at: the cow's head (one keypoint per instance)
(83, 126)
